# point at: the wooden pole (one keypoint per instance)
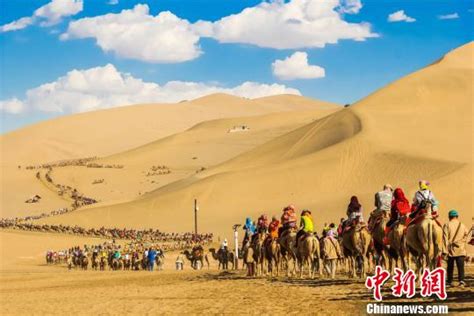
(195, 217)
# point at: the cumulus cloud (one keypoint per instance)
(50, 14)
(400, 16)
(105, 87)
(166, 38)
(350, 6)
(289, 25)
(451, 16)
(296, 67)
(13, 106)
(17, 25)
(136, 34)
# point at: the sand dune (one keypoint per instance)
(96, 134)
(417, 127)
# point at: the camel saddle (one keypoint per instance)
(421, 216)
(354, 224)
(305, 236)
(286, 232)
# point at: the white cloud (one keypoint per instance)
(137, 35)
(350, 6)
(296, 67)
(17, 25)
(50, 14)
(288, 25)
(400, 16)
(105, 87)
(53, 12)
(113, 2)
(13, 106)
(449, 16)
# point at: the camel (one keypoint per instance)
(378, 234)
(288, 250)
(223, 256)
(259, 253)
(95, 261)
(308, 248)
(160, 261)
(398, 250)
(84, 262)
(356, 242)
(196, 257)
(102, 263)
(273, 255)
(424, 241)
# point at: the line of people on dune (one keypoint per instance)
(117, 233)
(394, 202)
(18, 220)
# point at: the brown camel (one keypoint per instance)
(424, 241)
(273, 255)
(308, 248)
(288, 250)
(196, 257)
(84, 262)
(223, 257)
(398, 251)
(356, 242)
(257, 245)
(378, 234)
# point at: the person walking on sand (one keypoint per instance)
(179, 262)
(151, 259)
(454, 246)
(331, 252)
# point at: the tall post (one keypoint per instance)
(196, 208)
(236, 244)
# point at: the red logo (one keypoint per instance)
(433, 282)
(377, 281)
(404, 283)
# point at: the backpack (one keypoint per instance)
(384, 200)
(425, 200)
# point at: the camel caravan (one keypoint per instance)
(158, 171)
(397, 235)
(111, 256)
(78, 199)
(154, 235)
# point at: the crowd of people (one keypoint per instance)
(112, 256)
(388, 201)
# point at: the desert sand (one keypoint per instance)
(419, 127)
(296, 150)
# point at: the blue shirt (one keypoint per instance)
(151, 255)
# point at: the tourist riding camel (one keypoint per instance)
(306, 225)
(354, 212)
(423, 196)
(400, 208)
(383, 204)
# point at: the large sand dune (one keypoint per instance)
(417, 127)
(123, 134)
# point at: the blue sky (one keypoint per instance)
(36, 55)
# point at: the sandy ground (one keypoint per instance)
(29, 286)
